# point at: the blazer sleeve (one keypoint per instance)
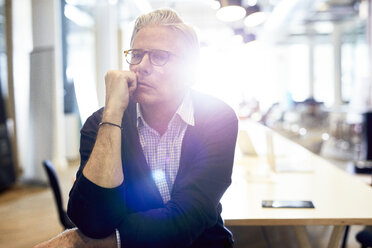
(193, 207)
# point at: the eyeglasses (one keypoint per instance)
(157, 57)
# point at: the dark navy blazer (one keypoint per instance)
(192, 217)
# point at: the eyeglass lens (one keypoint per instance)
(157, 57)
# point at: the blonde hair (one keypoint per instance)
(170, 18)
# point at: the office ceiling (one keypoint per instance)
(286, 18)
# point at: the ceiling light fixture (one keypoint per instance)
(215, 4)
(230, 11)
(255, 19)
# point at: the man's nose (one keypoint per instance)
(145, 59)
(144, 66)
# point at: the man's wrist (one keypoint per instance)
(114, 116)
(109, 123)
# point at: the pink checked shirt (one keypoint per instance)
(163, 153)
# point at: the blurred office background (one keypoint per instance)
(301, 67)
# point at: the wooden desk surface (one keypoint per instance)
(339, 198)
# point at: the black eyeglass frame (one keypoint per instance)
(150, 54)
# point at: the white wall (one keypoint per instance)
(38, 85)
(22, 46)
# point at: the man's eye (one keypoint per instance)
(160, 56)
(136, 55)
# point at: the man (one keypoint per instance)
(157, 159)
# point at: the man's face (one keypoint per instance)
(159, 84)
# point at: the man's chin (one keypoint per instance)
(141, 98)
(135, 99)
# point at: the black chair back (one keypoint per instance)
(54, 183)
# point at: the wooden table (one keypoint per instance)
(339, 198)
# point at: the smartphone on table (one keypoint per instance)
(287, 204)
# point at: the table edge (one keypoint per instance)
(297, 222)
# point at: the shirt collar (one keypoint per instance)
(185, 111)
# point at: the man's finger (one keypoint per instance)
(132, 82)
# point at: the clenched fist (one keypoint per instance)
(120, 85)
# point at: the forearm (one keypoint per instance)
(74, 238)
(104, 166)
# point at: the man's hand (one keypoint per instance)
(73, 238)
(119, 86)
